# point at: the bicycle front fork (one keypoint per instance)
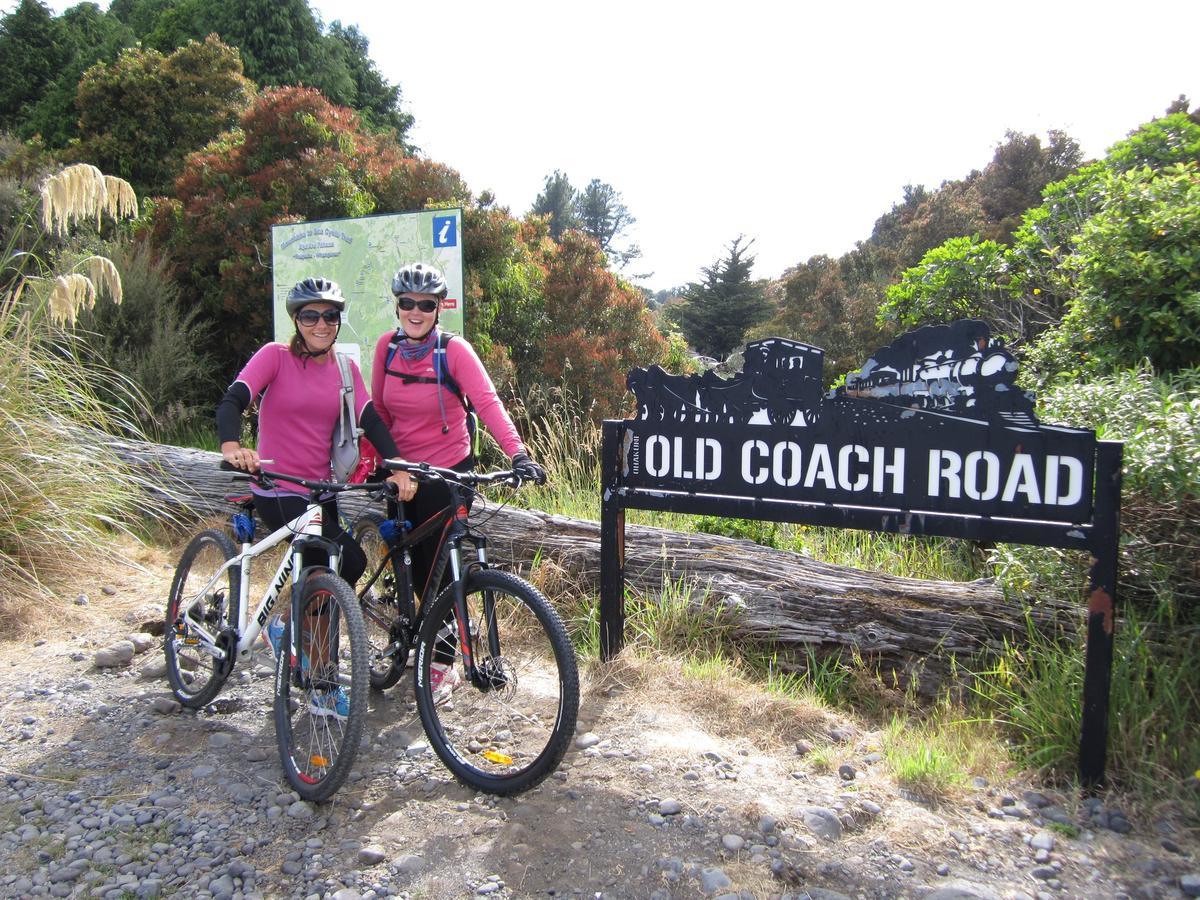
(462, 613)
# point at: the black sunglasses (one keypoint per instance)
(408, 304)
(310, 317)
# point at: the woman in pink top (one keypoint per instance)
(301, 391)
(421, 380)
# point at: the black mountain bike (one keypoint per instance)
(507, 724)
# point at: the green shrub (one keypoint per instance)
(155, 343)
(1135, 264)
(1159, 421)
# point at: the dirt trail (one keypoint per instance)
(110, 791)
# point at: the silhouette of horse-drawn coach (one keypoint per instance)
(780, 384)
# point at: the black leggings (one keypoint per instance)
(431, 498)
(278, 511)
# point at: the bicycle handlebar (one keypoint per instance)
(262, 476)
(426, 472)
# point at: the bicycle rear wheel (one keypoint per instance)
(195, 675)
(321, 698)
(380, 609)
(509, 729)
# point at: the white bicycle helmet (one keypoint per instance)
(314, 290)
(418, 278)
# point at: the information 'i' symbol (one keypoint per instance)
(445, 232)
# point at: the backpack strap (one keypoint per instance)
(440, 366)
(348, 398)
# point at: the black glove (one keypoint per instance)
(527, 469)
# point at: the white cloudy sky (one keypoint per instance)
(795, 124)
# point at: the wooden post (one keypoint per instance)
(1102, 604)
(612, 545)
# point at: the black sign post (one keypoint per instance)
(931, 437)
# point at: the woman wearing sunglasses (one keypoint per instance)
(425, 383)
(301, 389)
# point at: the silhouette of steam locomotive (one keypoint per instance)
(958, 368)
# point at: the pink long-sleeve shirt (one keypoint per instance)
(299, 409)
(414, 417)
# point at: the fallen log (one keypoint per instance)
(908, 626)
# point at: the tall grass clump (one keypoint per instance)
(563, 438)
(682, 620)
(934, 757)
(61, 485)
(1034, 690)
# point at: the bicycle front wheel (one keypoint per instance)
(507, 726)
(199, 594)
(321, 698)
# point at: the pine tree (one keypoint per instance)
(557, 200)
(717, 312)
(31, 53)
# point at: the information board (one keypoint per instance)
(361, 255)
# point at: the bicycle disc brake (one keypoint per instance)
(494, 674)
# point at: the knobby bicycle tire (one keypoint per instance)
(507, 732)
(318, 745)
(195, 676)
(385, 671)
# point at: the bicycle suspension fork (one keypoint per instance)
(461, 610)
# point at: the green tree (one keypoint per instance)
(32, 53)
(377, 101)
(88, 36)
(1019, 170)
(557, 200)
(717, 312)
(144, 113)
(1136, 271)
(604, 217)
(176, 22)
(280, 40)
(963, 278)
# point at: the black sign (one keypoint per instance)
(932, 436)
(933, 423)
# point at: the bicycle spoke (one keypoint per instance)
(507, 731)
(320, 699)
(199, 606)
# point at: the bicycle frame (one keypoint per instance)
(303, 531)
(452, 521)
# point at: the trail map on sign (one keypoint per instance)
(361, 255)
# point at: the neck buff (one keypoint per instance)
(416, 349)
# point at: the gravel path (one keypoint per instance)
(108, 789)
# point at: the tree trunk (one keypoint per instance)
(781, 599)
